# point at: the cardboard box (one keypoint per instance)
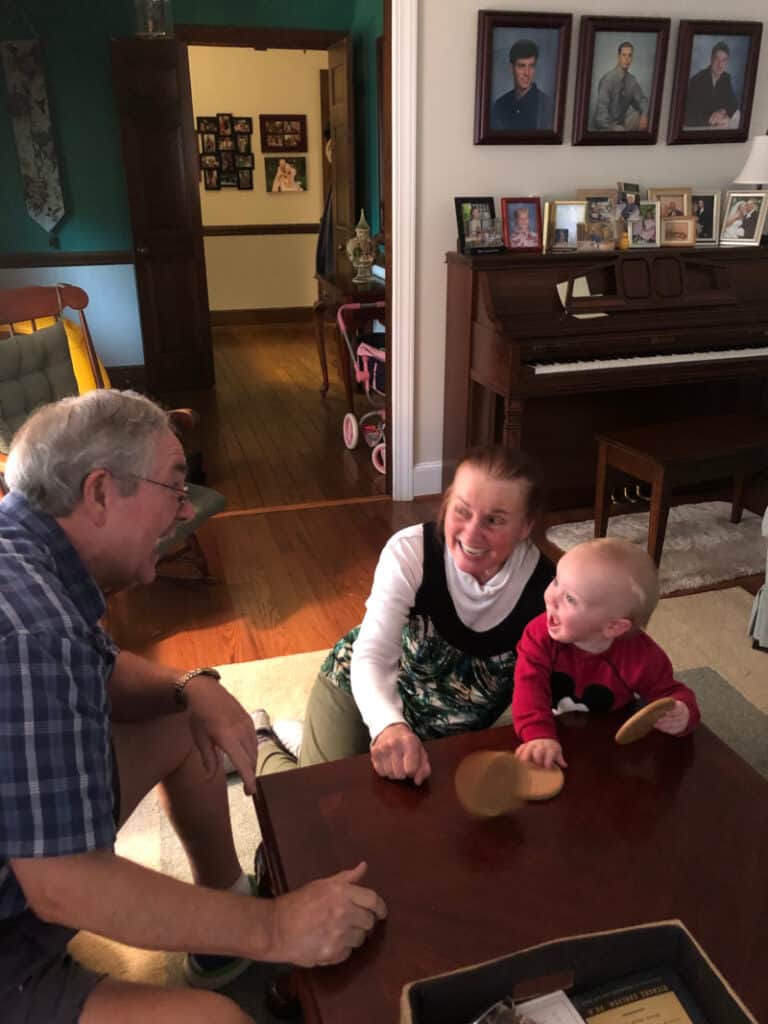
(586, 961)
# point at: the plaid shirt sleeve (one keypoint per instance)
(55, 749)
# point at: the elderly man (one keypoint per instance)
(621, 103)
(710, 101)
(525, 108)
(87, 730)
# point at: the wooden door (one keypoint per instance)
(343, 142)
(154, 102)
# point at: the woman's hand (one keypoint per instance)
(543, 753)
(398, 753)
(675, 721)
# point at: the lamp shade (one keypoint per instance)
(755, 170)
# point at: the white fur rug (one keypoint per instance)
(701, 545)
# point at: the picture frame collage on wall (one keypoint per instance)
(286, 135)
(226, 156)
(522, 76)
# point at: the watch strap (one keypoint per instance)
(182, 681)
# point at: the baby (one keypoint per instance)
(588, 651)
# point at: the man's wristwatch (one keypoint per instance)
(182, 681)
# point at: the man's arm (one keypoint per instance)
(605, 90)
(318, 924)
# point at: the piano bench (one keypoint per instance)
(667, 455)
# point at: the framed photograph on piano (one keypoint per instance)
(705, 207)
(521, 220)
(478, 227)
(715, 72)
(644, 231)
(522, 70)
(743, 218)
(619, 80)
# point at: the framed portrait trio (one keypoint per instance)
(715, 71)
(522, 71)
(619, 80)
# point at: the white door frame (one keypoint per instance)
(404, 43)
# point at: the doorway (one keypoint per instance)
(268, 435)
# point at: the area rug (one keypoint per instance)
(707, 629)
(701, 545)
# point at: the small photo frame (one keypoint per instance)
(521, 223)
(207, 124)
(600, 204)
(242, 125)
(243, 160)
(743, 218)
(244, 178)
(211, 179)
(209, 161)
(619, 80)
(705, 207)
(473, 220)
(243, 143)
(522, 69)
(644, 230)
(286, 174)
(564, 216)
(714, 85)
(208, 142)
(225, 142)
(673, 201)
(224, 124)
(228, 179)
(283, 132)
(227, 160)
(678, 231)
(600, 235)
(627, 206)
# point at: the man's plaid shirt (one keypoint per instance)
(55, 661)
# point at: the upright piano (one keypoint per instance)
(636, 337)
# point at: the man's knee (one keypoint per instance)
(120, 1002)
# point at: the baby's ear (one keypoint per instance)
(617, 627)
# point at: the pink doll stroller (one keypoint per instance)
(369, 362)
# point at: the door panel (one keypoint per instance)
(154, 101)
(342, 135)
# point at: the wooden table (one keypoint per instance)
(664, 828)
(670, 454)
(336, 290)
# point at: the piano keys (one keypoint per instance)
(686, 333)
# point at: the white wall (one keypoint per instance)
(448, 164)
(242, 271)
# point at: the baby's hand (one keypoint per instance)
(543, 753)
(675, 721)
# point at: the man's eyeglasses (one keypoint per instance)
(181, 492)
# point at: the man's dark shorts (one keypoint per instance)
(49, 987)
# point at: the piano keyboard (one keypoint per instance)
(590, 365)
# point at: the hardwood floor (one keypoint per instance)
(268, 436)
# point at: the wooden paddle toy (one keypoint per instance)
(641, 723)
(490, 783)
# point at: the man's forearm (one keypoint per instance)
(114, 897)
(139, 688)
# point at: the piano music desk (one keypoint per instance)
(684, 452)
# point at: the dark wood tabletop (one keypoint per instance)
(664, 828)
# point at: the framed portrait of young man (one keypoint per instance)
(715, 72)
(522, 68)
(619, 80)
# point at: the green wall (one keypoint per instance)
(74, 38)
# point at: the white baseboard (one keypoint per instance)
(427, 478)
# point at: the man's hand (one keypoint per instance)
(719, 118)
(642, 123)
(542, 752)
(675, 721)
(322, 922)
(397, 753)
(217, 719)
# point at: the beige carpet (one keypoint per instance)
(701, 545)
(707, 629)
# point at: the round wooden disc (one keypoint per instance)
(641, 723)
(490, 783)
(543, 783)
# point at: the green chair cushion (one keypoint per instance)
(34, 369)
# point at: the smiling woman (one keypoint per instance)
(435, 652)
